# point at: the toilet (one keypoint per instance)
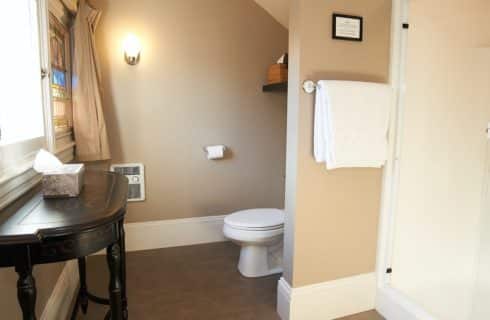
(259, 232)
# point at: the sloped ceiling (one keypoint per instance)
(279, 9)
(70, 5)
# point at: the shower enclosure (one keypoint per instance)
(434, 244)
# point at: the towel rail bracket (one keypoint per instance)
(309, 86)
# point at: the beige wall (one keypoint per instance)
(198, 83)
(335, 212)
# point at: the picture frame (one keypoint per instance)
(347, 27)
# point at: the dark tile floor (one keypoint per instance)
(190, 283)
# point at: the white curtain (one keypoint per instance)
(88, 116)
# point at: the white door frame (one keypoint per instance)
(391, 303)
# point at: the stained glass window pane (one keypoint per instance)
(59, 78)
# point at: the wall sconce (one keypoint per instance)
(132, 49)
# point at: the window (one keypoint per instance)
(21, 112)
(59, 38)
(24, 91)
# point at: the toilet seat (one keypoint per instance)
(256, 219)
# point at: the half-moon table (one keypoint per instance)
(38, 231)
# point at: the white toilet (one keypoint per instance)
(260, 234)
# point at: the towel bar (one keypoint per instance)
(309, 86)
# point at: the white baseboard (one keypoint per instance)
(328, 300)
(173, 233)
(393, 305)
(59, 305)
(283, 299)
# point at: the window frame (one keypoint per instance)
(16, 160)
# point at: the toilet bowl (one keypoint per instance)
(259, 232)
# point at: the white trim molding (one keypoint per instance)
(16, 173)
(327, 300)
(15, 187)
(283, 299)
(399, 38)
(59, 305)
(174, 233)
(393, 305)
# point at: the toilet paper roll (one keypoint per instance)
(215, 152)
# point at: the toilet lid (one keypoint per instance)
(261, 219)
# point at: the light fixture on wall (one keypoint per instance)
(132, 49)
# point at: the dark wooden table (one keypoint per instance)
(39, 231)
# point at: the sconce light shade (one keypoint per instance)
(132, 49)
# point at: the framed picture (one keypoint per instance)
(345, 27)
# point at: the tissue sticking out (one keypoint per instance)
(46, 162)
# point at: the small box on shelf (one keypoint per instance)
(278, 73)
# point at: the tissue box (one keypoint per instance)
(277, 73)
(64, 182)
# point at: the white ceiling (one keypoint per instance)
(279, 9)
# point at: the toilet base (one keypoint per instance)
(260, 261)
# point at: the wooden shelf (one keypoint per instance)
(275, 87)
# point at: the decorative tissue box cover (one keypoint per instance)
(65, 182)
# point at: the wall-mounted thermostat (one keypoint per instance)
(135, 172)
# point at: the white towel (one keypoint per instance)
(351, 123)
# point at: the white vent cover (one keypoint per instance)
(135, 172)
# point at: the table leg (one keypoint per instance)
(122, 243)
(115, 286)
(83, 293)
(26, 291)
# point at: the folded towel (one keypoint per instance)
(351, 123)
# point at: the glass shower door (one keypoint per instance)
(481, 297)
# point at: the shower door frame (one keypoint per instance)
(390, 302)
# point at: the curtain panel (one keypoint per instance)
(88, 116)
